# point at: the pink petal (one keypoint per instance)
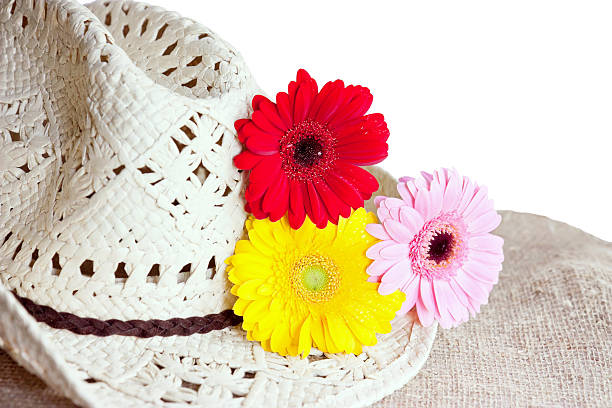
(378, 200)
(481, 273)
(461, 295)
(422, 203)
(428, 177)
(411, 289)
(379, 267)
(480, 197)
(452, 193)
(449, 307)
(472, 287)
(397, 251)
(411, 219)
(468, 189)
(489, 259)
(485, 206)
(383, 213)
(397, 231)
(392, 202)
(426, 294)
(486, 242)
(426, 316)
(402, 189)
(398, 274)
(435, 195)
(387, 288)
(373, 252)
(377, 231)
(486, 223)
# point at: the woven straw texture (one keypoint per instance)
(118, 199)
(543, 341)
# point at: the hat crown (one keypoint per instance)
(118, 197)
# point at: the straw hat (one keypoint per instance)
(119, 203)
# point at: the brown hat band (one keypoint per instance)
(134, 328)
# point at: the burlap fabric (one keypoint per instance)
(544, 340)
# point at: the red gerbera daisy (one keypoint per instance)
(303, 151)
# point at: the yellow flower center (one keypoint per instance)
(315, 278)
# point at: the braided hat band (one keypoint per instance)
(135, 328)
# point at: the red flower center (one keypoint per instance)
(307, 151)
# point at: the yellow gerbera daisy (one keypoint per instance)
(308, 287)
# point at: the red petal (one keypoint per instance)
(373, 126)
(345, 190)
(284, 110)
(330, 102)
(359, 143)
(297, 212)
(258, 100)
(317, 212)
(247, 160)
(303, 76)
(303, 100)
(254, 207)
(269, 109)
(262, 122)
(261, 177)
(364, 158)
(365, 182)
(359, 100)
(270, 198)
(333, 204)
(278, 202)
(240, 123)
(261, 143)
(320, 97)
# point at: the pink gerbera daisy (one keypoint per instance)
(436, 246)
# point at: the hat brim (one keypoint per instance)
(220, 368)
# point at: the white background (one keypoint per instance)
(516, 94)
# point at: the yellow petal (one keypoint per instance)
(270, 319)
(318, 333)
(332, 347)
(324, 237)
(339, 333)
(248, 290)
(277, 305)
(363, 334)
(304, 235)
(256, 310)
(245, 246)
(244, 273)
(305, 339)
(240, 305)
(260, 333)
(280, 338)
(243, 259)
(265, 289)
(261, 242)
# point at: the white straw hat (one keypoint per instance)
(119, 203)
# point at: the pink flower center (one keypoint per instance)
(441, 247)
(438, 250)
(307, 151)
